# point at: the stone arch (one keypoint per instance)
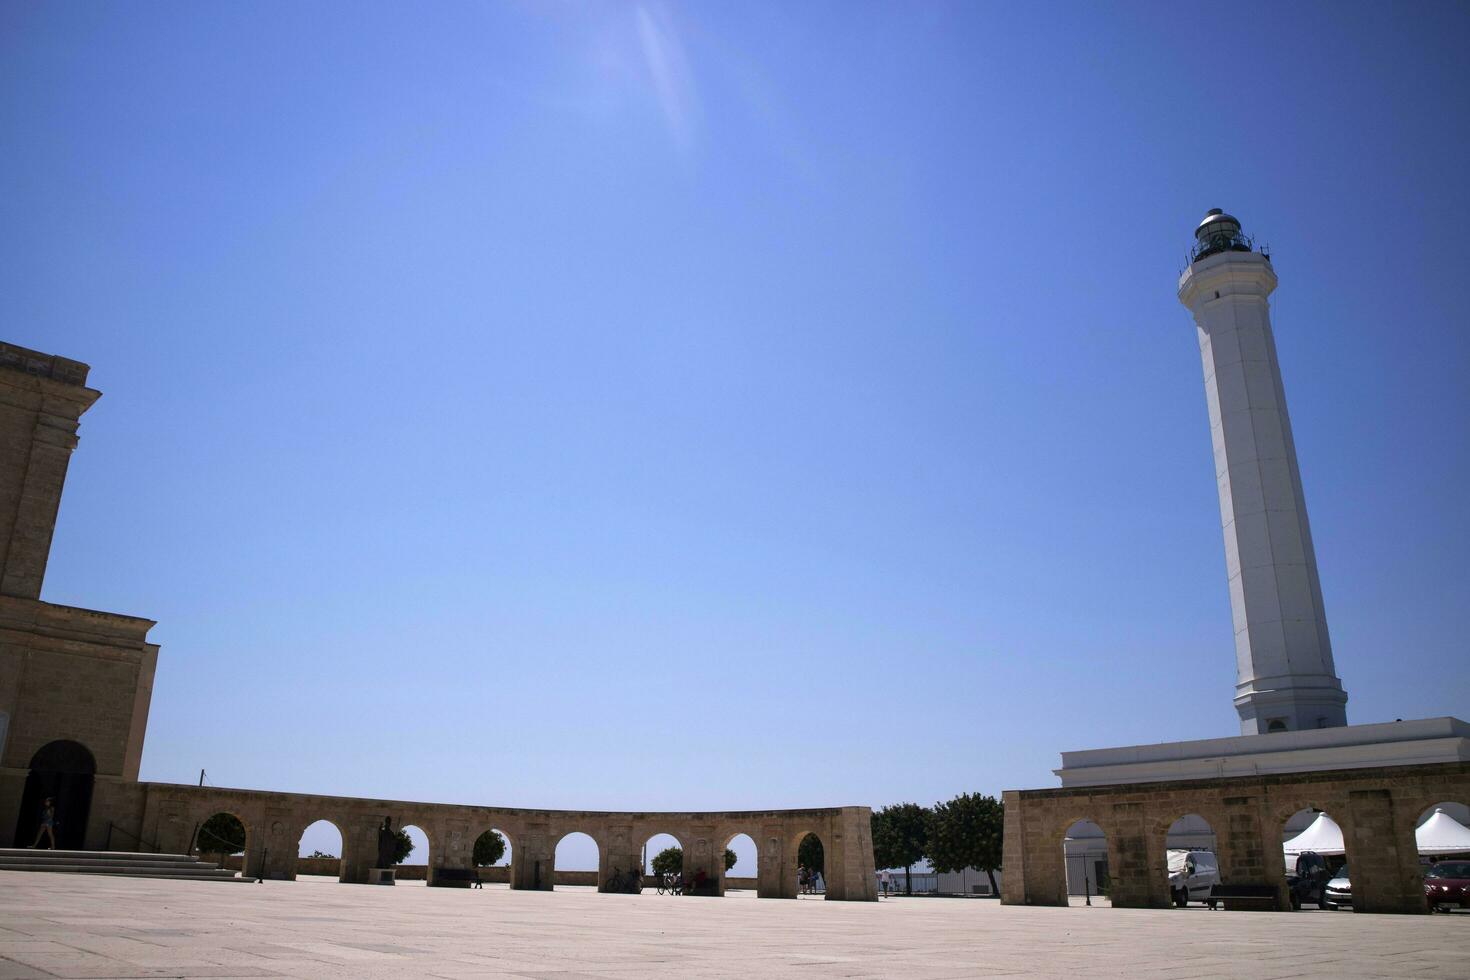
(507, 860)
(795, 841)
(430, 849)
(1281, 819)
(648, 834)
(62, 771)
(1086, 868)
(208, 843)
(1192, 831)
(599, 868)
(337, 824)
(728, 837)
(1451, 808)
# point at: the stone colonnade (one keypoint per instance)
(1377, 809)
(167, 815)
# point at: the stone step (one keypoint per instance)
(131, 864)
(163, 867)
(28, 854)
(129, 873)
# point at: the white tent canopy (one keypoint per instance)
(1440, 834)
(1323, 835)
(1443, 834)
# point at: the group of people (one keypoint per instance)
(810, 881)
(675, 884)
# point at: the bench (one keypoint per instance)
(1247, 898)
(457, 877)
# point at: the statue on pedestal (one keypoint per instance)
(387, 844)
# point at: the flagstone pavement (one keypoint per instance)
(55, 925)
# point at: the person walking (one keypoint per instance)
(48, 823)
(886, 879)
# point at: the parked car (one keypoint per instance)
(1307, 881)
(1192, 875)
(1447, 883)
(1339, 891)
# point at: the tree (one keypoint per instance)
(901, 838)
(967, 832)
(402, 845)
(489, 848)
(324, 856)
(809, 854)
(222, 833)
(669, 861)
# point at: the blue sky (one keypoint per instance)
(699, 406)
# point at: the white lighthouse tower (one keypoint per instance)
(1285, 679)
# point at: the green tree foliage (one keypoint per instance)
(402, 845)
(809, 854)
(669, 861)
(489, 848)
(222, 833)
(323, 855)
(967, 832)
(901, 838)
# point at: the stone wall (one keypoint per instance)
(66, 674)
(1376, 808)
(167, 817)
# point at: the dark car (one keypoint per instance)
(1447, 884)
(1308, 880)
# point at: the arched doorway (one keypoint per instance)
(414, 866)
(1085, 861)
(741, 863)
(319, 851)
(220, 837)
(811, 866)
(61, 771)
(1190, 860)
(1442, 838)
(663, 857)
(492, 854)
(1314, 850)
(576, 861)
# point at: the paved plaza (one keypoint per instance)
(86, 926)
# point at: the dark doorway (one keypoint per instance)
(63, 771)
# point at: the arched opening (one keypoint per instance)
(576, 861)
(742, 864)
(811, 866)
(1315, 854)
(1190, 861)
(492, 855)
(57, 797)
(319, 852)
(414, 866)
(221, 838)
(1442, 834)
(663, 862)
(1085, 858)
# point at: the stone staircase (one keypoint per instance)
(126, 863)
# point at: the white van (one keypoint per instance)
(1192, 874)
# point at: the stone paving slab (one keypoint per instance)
(103, 927)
